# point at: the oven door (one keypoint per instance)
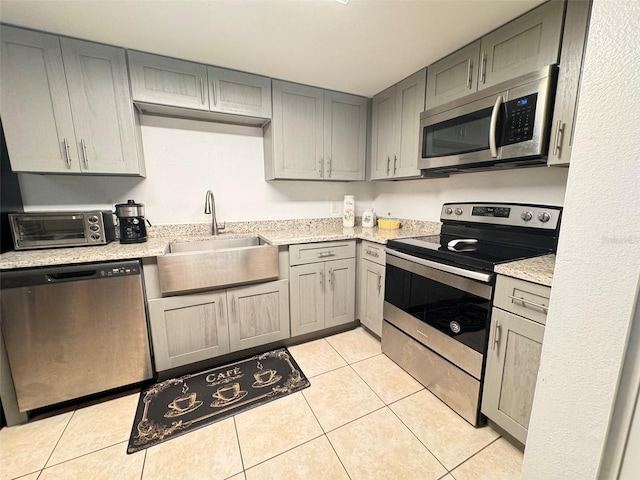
(445, 311)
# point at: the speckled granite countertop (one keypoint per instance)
(536, 270)
(275, 232)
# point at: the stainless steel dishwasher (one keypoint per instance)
(73, 331)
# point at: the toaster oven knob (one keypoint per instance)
(93, 219)
(448, 210)
(458, 211)
(526, 216)
(544, 217)
(95, 236)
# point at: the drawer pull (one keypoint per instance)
(326, 254)
(372, 253)
(525, 302)
(496, 336)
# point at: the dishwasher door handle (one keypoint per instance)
(71, 276)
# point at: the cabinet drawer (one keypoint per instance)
(374, 252)
(526, 299)
(301, 254)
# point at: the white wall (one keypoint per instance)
(422, 199)
(184, 159)
(598, 260)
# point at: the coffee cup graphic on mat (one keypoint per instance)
(227, 393)
(183, 402)
(264, 376)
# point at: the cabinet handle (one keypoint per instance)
(469, 70)
(372, 253)
(320, 167)
(213, 92)
(388, 165)
(559, 136)
(329, 167)
(496, 336)
(66, 152)
(321, 279)
(330, 276)
(330, 253)
(525, 302)
(379, 283)
(483, 73)
(395, 164)
(84, 152)
(202, 90)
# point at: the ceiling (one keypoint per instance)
(361, 47)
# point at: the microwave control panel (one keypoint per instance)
(520, 116)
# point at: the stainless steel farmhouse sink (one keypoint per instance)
(217, 262)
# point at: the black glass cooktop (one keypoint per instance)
(477, 253)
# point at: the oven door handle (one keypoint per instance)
(483, 277)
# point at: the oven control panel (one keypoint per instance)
(515, 214)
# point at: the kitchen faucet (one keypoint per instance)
(210, 208)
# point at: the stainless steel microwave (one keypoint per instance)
(506, 125)
(61, 229)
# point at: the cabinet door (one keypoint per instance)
(36, 113)
(524, 45)
(297, 129)
(101, 104)
(168, 81)
(345, 136)
(371, 296)
(513, 359)
(383, 117)
(307, 298)
(188, 328)
(410, 94)
(239, 93)
(258, 314)
(565, 107)
(454, 76)
(340, 292)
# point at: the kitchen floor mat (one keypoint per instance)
(178, 405)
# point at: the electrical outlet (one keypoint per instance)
(335, 207)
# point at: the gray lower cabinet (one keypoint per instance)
(258, 314)
(395, 129)
(513, 357)
(177, 83)
(66, 106)
(315, 134)
(322, 291)
(189, 328)
(371, 285)
(523, 45)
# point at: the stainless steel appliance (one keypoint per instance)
(503, 126)
(61, 229)
(132, 222)
(439, 292)
(73, 331)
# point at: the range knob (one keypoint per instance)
(458, 211)
(544, 217)
(448, 210)
(526, 216)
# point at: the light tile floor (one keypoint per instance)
(363, 418)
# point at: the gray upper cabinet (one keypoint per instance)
(168, 81)
(574, 39)
(315, 134)
(526, 44)
(239, 93)
(75, 95)
(523, 45)
(345, 136)
(103, 114)
(171, 82)
(454, 76)
(395, 129)
(36, 113)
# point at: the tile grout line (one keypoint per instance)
(337, 456)
(58, 442)
(470, 457)
(235, 426)
(144, 462)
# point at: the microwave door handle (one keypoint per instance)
(494, 126)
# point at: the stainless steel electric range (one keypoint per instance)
(439, 293)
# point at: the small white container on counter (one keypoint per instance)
(368, 218)
(349, 211)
